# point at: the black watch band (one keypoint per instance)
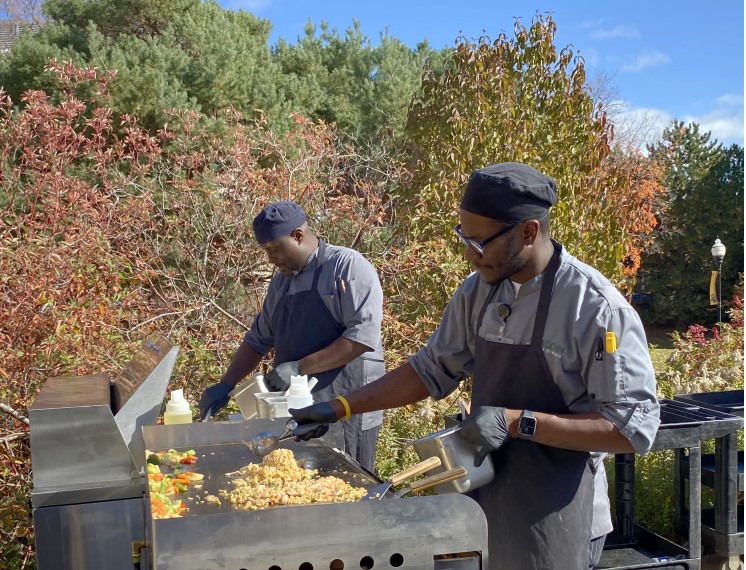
(527, 425)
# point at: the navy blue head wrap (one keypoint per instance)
(509, 192)
(277, 220)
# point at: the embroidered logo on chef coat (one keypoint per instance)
(552, 348)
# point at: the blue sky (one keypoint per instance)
(665, 59)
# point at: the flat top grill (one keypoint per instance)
(413, 530)
(216, 462)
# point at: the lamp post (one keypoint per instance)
(718, 253)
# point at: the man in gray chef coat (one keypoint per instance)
(561, 375)
(322, 315)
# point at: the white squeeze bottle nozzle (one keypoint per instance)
(299, 393)
(177, 409)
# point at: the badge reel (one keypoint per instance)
(504, 312)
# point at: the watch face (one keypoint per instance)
(527, 426)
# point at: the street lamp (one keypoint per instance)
(718, 253)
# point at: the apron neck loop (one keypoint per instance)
(547, 285)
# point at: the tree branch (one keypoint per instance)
(8, 410)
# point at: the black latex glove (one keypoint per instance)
(321, 415)
(278, 378)
(486, 428)
(215, 397)
(309, 431)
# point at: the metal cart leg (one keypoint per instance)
(695, 502)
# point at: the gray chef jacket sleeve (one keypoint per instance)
(621, 384)
(448, 356)
(357, 298)
(260, 336)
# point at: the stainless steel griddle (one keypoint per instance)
(411, 532)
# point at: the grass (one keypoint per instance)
(659, 337)
(661, 346)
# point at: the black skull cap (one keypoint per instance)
(509, 192)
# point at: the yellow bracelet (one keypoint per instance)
(346, 404)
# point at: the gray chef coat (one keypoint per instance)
(349, 286)
(585, 305)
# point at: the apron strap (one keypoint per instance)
(319, 261)
(547, 286)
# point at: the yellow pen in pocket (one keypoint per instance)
(610, 342)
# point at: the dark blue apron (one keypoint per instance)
(540, 505)
(303, 325)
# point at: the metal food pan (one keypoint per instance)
(454, 451)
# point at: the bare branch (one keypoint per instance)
(8, 410)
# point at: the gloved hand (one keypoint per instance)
(487, 429)
(320, 415)
(279, 377)
(309, 431)
(215, 397)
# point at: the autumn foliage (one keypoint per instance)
(521, 99)
(109, 232)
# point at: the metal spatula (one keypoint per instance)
(378, 492)
(432, 481)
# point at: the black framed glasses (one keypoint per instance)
(478, 246)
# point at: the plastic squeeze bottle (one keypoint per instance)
(177, 409)
(299, 393)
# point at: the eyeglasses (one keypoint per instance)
(478, 246)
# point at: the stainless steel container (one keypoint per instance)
(454, 451)
(244, 396)
(271, 405)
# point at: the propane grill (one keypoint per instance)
(92, 511)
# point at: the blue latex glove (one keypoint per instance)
(320, 414)
(278, 379)
(487, 429)
(215, 397)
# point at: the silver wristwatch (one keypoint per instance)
(527, 425)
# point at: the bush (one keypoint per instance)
(706, 360)
(702, 360)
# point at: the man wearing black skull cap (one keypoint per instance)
(322, 315)
(560, 368)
